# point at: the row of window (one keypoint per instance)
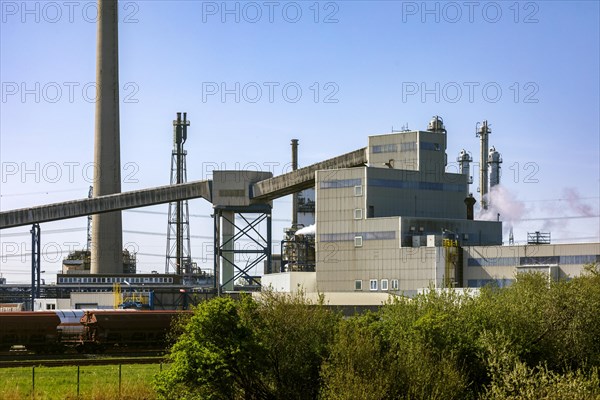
(476, 283)
(514, 261)
(406, 146)
(340, 183)
(375, 285)
(358, 237)
(78, 279)
(385, 148)
(417, 185)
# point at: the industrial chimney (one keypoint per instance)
(470, 202)
(107, 240)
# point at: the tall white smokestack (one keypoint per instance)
(107, 240)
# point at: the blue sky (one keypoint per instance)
(530, 68)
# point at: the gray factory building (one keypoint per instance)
(401, 223)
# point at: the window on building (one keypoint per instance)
(384, 284)
(358, 241)
(358, 284)
(358, 190)
(371, 212)
(394, 284)
(373, 284)
(50, 306)
(358, 213)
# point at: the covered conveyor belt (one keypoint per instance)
(304, 178)
(102, 204)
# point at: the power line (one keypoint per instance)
(45, 232)
(553, 218)
(545, 200)
(191, 215)
(42, 192)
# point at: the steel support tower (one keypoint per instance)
(179, 255)
(232, 259)
(35, 263)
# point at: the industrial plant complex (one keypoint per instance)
(384, 220)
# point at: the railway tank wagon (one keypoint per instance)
(142, 329)
(34, 330)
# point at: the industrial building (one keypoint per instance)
(385, 219)
(401, 223)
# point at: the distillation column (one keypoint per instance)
(483, 134)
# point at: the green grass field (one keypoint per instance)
(97, 382)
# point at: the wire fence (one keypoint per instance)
(127, 381)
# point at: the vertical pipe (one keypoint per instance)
(295, 195)
(228, 245)
(217, 250)
(269, 243)
(38, 259)
(33, 267)
(107, 236)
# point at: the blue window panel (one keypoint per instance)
(539, 260)
(477, 283)
(410, 146)
(385, 148)
(414, 185)
(429, 146)
(579, 259)
(493, 262)
(346, 237)
(342, 183)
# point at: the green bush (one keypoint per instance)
(535, 339)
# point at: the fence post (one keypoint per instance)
(33, 382)
(119, 380)
(78, 381)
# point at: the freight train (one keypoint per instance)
(85, 330)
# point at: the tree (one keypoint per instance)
(217, 356)
(246, 349)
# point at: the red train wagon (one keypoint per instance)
(36, 331)
(128, 328)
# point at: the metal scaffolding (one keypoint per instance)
(229, 231)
